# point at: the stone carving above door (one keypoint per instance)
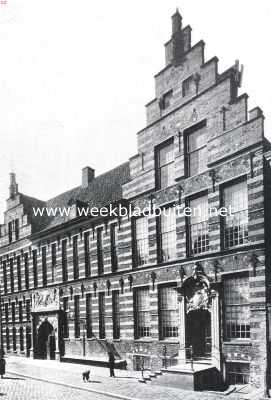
(196, 289)
(45, 300)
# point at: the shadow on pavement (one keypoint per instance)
(94, 381)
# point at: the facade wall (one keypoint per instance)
(235, 150)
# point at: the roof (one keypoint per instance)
(102, 190)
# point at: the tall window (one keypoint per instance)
(101, 315)
(21, 334)
(5, 276)
(20, 311)
(87, 254)
(167, 235)
(165, 165)
(35, 267)
(100, 255)
(14, 339)
(89, 315)
(26, 271)
(165, 100)
(188, 86)
(168, 312)
(13, 314)
(116, 314)
(7, 338)
(235, 224)
(141, 243)
(10, 231)
(64, 261)
(44, 266)
(237, 310)
(196, 149)
(11, 275)
(28, 310)
(198, 226)
(16, 228)
(19, 276)
(76, 316)
(114, 246)
(6, 313)
(142, 313)
(65, 322)
(53, 260)
(75, 257)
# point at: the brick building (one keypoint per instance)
(155, 286)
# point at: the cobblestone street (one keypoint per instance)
(53, 380)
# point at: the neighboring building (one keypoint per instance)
(74, 286)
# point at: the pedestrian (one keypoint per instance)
(111, 361)
(2, 366)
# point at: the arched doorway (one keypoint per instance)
(46, 341)
(198, 325)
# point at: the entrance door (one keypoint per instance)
(199, 333)
(46, 345)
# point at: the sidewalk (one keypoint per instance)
(124, 386)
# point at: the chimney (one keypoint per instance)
(88, 175)
(13, 187)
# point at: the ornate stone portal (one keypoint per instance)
(46, 324)
(198, 292)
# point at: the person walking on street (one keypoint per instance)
(111, 364)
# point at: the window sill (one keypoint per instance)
(169, 341)
(243, 342)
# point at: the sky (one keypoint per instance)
(75, 77)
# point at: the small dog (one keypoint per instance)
(85, 376)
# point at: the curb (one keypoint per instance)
(114, 395)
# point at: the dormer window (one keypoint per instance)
(165, 100)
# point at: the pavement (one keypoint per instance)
(64, 381)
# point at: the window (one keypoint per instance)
(53, 259)
(168, 312)
(35, 268)
(6, 313)
(165, 100)
(13, 312)
(167, 231)
(11, 275)
(14, 339)
(5, 276)
(237, 373)
(196, 149)
(164, 156)
(65, 322)
(28, 310)
(114, 246)
(89, 315)
(87, 255)
(142, 313)
(26, 271)
(19, 273)
(64, 261)
(188, 86)
(198, 229)
(7, 339)
(10, 231)
(16, 228)
(101, 315)
(116, 314)
(235, 224)
(100, 257)
(141, 245)
(44, 266)
(75, 257)
(237, 310)
(21, 338)
(76, 317)
(20, 311)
